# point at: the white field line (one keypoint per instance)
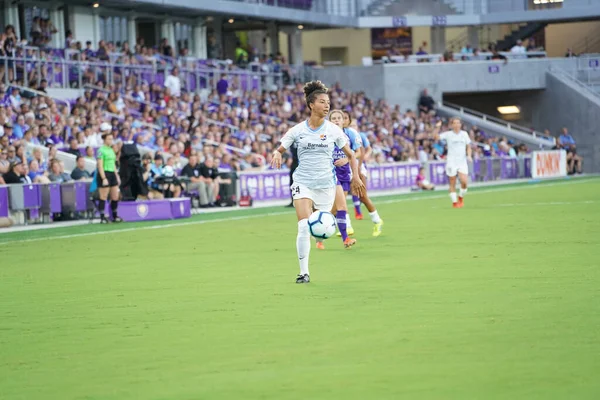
(273, 214)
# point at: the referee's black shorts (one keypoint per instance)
(110, 176)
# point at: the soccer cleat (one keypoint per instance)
(104, 220)
(349, 231)
(349, 242)
(358, 216)
(377, 229)
(303, 278)
(117, 219)
(455, 205)
(461, 202)
(320, 245)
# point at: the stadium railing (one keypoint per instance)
(434, 58)
(497, 125)
(64, 73)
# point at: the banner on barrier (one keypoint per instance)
(275, 185)
(549, 164)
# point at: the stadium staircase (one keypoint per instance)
(524, 31)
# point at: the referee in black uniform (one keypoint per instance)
(293, 163)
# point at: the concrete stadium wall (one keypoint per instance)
(565, 104)
(357, 79)
(402, 83)
(578, 36)
(357, 43)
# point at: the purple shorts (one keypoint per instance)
(345, 185)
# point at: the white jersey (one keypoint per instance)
(315, 153)
(457, 146)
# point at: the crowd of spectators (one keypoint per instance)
(223, 130)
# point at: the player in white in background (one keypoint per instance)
(314, 184)
(459, 154)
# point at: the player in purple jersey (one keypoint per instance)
(343, 174)
(377, 221)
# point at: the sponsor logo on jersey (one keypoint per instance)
(323, 136)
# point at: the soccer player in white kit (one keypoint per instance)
(315, 181)
(459, 154)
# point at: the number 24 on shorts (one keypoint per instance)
(295, 190)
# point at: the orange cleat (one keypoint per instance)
(349, 242)
(320, 245)
(461, 202)
(455, 205)
(358, 216)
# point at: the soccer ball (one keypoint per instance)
(322, 224)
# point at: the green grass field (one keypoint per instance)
(499, 300)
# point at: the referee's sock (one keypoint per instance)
(101, 207)
(113, 206)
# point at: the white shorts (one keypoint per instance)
(323, 199)
(453, 169)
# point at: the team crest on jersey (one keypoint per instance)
(323, 136)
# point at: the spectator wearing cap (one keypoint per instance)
(79, 173)
(16, 174)
(8, 131)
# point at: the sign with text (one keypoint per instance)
(439, 20)
(399, 22)
(549, 164)
(494, 69)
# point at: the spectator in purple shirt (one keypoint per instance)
(222, 85)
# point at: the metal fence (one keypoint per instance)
(66, 73)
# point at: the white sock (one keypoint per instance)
(303, 245)
(453, 197)
(375, 217)
(348, 222)
(462, 192)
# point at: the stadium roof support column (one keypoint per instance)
(167, 31)
(295, 47)
(273, 33)
(58, 20)
(218, 33)
(200, 39)
(131, 31)
(473, 36)
(438, 39)
(11, 15)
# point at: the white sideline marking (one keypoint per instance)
(273, 214)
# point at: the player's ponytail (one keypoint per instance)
(312, 89)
